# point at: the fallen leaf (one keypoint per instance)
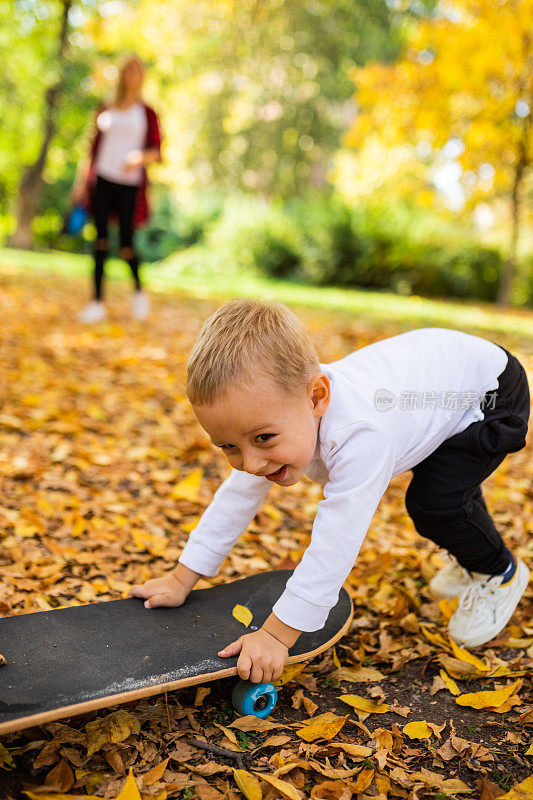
(60, 777)
(331, 790)
(417, 730)
(521, 791)
(449, 683)
(283, 787)
(488, 699)
(188, 488)
(468, 658)
(129, 790)
(364, 704)
(353, 750)
(243, 615)
(155, 774)
(325, 726)
(114, 728)
(359, 675)
(6, 759)
(252, 723)
(290, 672)
(248, 784)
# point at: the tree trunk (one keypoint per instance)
(31, 183)
(509, 270)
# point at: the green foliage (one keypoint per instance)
(173, 226)
(257, 235)
(322, 241)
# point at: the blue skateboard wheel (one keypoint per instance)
(258, 699)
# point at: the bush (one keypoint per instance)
(257, 236)
(174, 226)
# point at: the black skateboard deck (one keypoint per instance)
(72, 660)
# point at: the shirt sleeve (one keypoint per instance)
(231, 510)
(360, 465)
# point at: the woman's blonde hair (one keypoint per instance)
(244, 338)
(120, 90)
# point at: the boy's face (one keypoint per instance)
(264, 431)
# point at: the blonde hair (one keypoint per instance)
(246, 337)
(120, 89)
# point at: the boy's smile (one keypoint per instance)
(265, 431)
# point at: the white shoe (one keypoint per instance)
(95, 311)
(452, 579)
(486, 606)
(140, 305)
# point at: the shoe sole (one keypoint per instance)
(522, 580)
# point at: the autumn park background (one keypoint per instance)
(368, 162)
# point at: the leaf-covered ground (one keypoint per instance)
(103, 471)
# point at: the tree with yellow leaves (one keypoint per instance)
(463, 88)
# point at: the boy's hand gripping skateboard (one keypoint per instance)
(73, 660)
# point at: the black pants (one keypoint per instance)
(444, 498)
(113, 198)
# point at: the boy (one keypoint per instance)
(444, 404)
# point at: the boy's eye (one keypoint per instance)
(264, 437)
(226, 446)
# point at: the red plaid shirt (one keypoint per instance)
(152, 141)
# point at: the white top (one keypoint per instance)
(392, 404)
(123, 130)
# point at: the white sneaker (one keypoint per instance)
(140, 305)
(95, 311)
(486, 606)
(452, 579)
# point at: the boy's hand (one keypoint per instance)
(263, 654)
(170, 590)
(262, 657)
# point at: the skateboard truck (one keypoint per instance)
(258, 699)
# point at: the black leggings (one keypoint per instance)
(444, 498)
(113, 198)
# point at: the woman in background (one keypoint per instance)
(127, 139)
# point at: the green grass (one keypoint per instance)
(379, 308)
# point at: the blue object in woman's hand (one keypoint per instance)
(76, 220)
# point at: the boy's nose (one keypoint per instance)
(253, 465)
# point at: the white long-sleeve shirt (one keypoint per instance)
(392, 404)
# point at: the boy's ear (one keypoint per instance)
(319, 392)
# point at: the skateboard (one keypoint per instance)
(73, 660)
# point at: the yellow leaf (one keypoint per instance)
(529, 751)
(58, 796)
(155, 774)
(189, 487)
(522, 791)
(289, 672)
(450, 683)
(6, 759)
(455, 786)
(242, 614)
(354, 750)
(448, 607)
(283, 787)
(114, 728)
(129, 790)
(325, 726)
(364, 704)
(464, 655)
(336, 659)
(417, 730)
(434, 637)
(359, 675)
(248, 784)
(153, 542)
(488, 699)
